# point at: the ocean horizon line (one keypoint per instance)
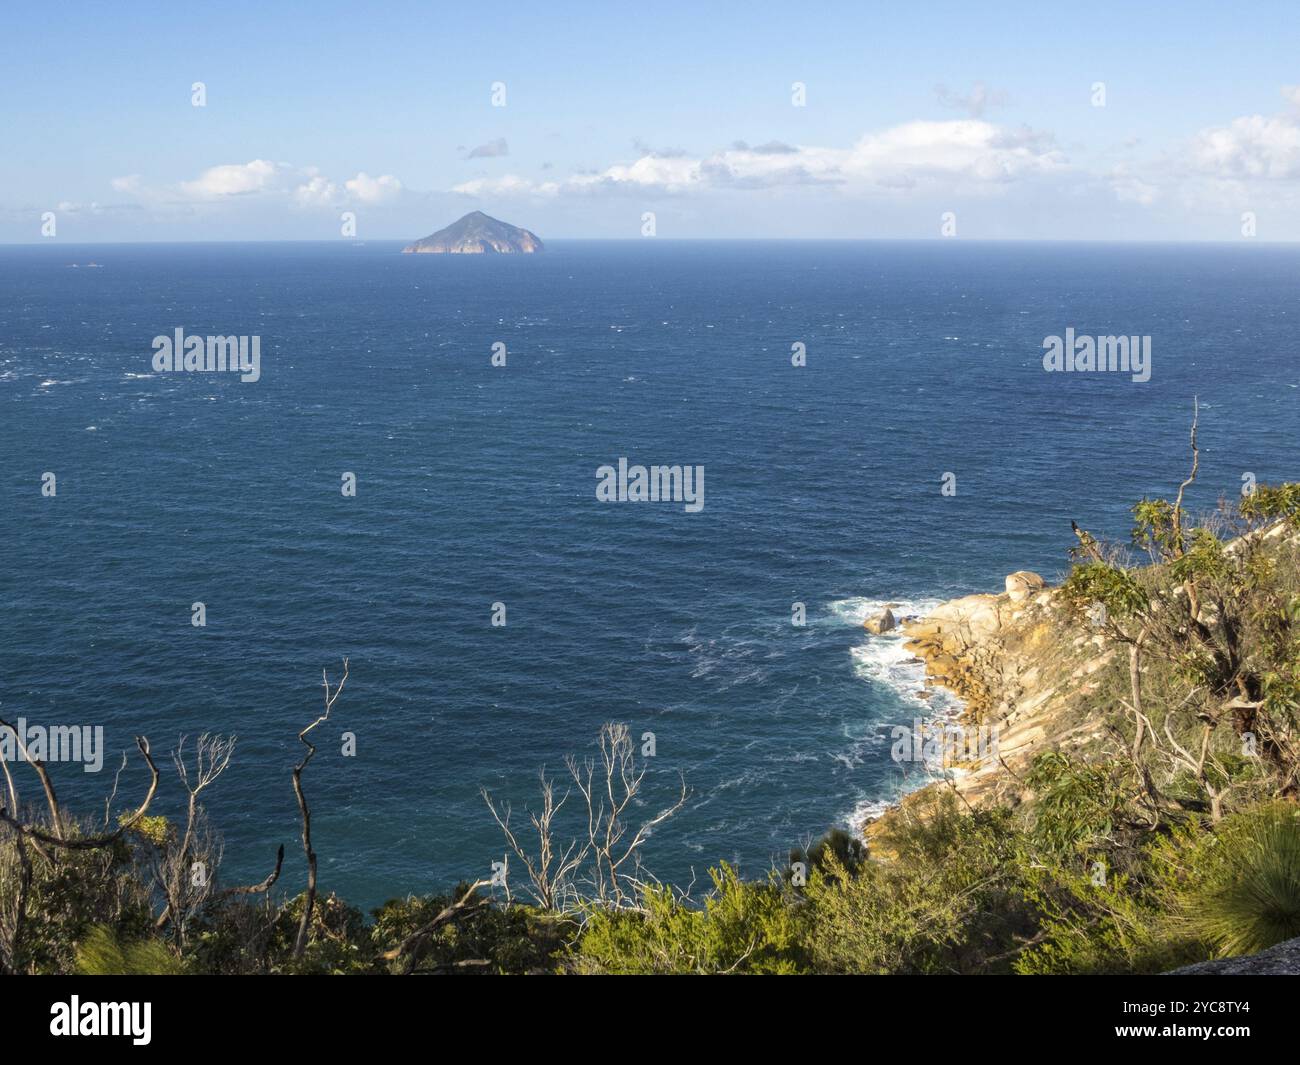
(982, 241)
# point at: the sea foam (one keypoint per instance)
(884, 661)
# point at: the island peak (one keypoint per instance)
(478, 234)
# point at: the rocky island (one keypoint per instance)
(478, 234)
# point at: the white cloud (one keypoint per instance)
(374, 190)
(961, 155)
(661, 173)
(507, 185)
(316, 191)
(1249, 147)
(1251, 162)
(236, 179)
(304, 187)
(73, 207)
(967, 151)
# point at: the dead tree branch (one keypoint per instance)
(470, 901)
(300, 943)
(92, 842)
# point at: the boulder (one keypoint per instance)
(881, 623)
(1022, 584)
(1280, 960)
(970, 617)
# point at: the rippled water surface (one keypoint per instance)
(476, 485)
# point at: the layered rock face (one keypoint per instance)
(478, 234)
(1024, 668)
(1021, 668)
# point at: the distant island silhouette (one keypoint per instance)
(478, 234)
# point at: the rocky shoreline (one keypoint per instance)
(1023, 670)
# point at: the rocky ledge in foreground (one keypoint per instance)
(1282, 959)
(478, 234)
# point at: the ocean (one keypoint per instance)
(476, 485)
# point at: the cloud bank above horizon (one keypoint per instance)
(767, 156)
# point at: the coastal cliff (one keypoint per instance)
(1024, 672)
(1033, 671)
(1029, 674)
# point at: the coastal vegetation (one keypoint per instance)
(1151, 823)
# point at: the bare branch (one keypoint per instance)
(300, 943)
(92, 842)
(467, 903)
(1191, 477)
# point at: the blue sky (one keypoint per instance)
(612, 110)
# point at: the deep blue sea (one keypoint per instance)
(476, 485)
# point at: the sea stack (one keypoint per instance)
(478, 234)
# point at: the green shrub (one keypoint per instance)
(490, 938)
(1076, 803)
(102, 954)
(1248, 897)
(849, 852)
(742, 927)
(950, 901)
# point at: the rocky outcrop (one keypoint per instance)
(1022, 667)
(882, 623)
(1028, 669)
(478, 234)
(1022, 584)
(1280, 960)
